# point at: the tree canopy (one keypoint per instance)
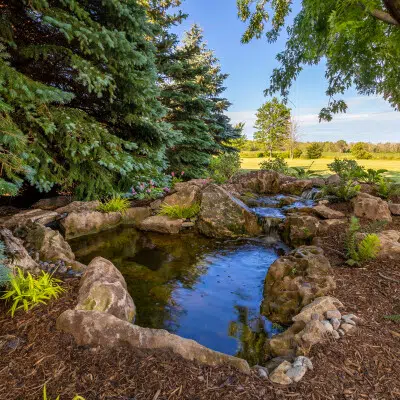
(272, 124)
(358, 38)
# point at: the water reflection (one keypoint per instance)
(202, 289)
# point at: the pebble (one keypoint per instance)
(333, 314)
(341, 332)
(348, 320)
(296, 373)
(346, 327)
(305, 361)
(328, 326)
(200, 378)
(335, 335)
(262, 372)
(335, 323)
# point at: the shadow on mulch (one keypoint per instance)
(365, 365)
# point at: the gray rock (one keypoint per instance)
(341, 332)
(320, 306)
(346, 327)
(335, 323)
(333, 314)
(93, 328)
(303, 361)
(328, 326)
(296, 373)
(42, 217)
(348, 320)
(262, 372)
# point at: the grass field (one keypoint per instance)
(393, 166)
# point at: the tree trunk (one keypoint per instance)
(393, 6)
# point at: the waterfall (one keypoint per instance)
(310, 194)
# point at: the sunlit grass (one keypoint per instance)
(393, 166)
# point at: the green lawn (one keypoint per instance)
(393, 166)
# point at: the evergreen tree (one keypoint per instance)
(79, 101)
(192, 94)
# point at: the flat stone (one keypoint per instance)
(320, 305)
(52, 203)
(335, 323)
(296, 373)
(346, 327)
(161, 224)
(93, 328)
(42, 217)
(79, 206)
(333, 314)
(279, 376)
(327, 213)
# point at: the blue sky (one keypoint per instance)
(250, 66)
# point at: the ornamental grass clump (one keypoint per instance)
(116, 204)
(180, 212)
(26, 291)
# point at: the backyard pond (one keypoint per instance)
(204, 289)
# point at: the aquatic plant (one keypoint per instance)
(26, 292)
(180, 212)
(116, 204)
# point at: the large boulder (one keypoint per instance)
(42, 217)
(296, 187)
(50, 245)
(223, 215)
(103, 288)
(186, 196)
(82, 223)
(294, 281)
(93, 328)
(300, 229)
(262, 182)
(135, 215)
(389, 244)
(79, 206)
(52, 203)
(17, 255)
(161, 224)
(371, 207)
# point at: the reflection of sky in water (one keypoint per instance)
(199, 288)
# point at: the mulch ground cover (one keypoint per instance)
(364, 365)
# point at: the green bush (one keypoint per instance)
(387, 188)
(360, 151)
(363, 250)
(260, 155)
(344, 191)
(179, 212)
(314, 151)
(224, 167)
(303, 172)
(277, 164)
(346, 169)
(297, 153)
(116, 204)
(372, 175)
(5, 274)
(26, 292)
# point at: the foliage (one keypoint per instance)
(5, 275)
(180, 212)
(297, 153)
(344, 191)
(357, 39)
(272, 124)
(362, 250)
(360, 152)
(277, 164)
(116, 204)
(303, 172)
(151, 190)
(394, 318)
(346, 169)
(372, 175)
(58, 397)
(387, 188)
(224, 167)
(314, 151)
(26, 292)
(79, 104)
(192, 94)
(176, 178)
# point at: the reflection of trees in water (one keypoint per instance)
(251, 335)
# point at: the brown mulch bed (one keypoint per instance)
(365, 365)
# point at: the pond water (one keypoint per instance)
(203, 289)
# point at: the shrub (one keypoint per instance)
(277, 164)
(363, 250)
(26, 292)
(360, 152)
(116, 204)
(179, 212)
(223, 167)
(387, 188)
(153, 189)
(58, 397)
(346, 169)
(344, 191)
(315, 150)
(260, 155)
(372, 175)
(297, 153)
(303, 172)
(176, 178)
(5, 274)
